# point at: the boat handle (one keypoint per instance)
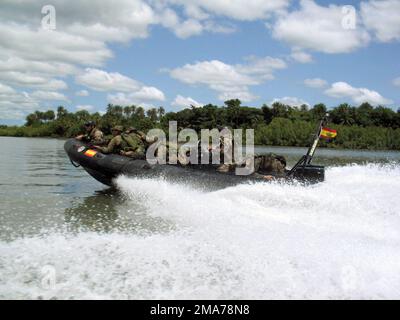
(75, 165)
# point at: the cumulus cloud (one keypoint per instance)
(315, 83)
(23, 79)
(318, 28)
(129, 90)
(145, 97)
(51, 46)
(358, 95)
(48, 95)
(291, 101)
(4, 89)
(301, 56)
(101, 80)
(85, 107)
(184, 102)
(13, 105)
(230, 81)
(236, 9)
(82, 93)
(382, 18)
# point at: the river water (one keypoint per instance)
(63, 235)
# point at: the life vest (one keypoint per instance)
(133, 142)
(270, 163)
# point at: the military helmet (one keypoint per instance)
(117, 128)
(89, 124)
(131, 129)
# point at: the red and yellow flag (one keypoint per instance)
(90, 153)
(327, 133)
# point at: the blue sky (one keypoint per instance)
(174, 53)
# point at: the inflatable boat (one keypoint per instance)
(106, 167)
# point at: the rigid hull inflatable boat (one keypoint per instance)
(106, 167)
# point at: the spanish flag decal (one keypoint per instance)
(327, 133)
(90, 153)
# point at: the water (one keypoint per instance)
(65, 236)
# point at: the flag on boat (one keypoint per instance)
(327, 133)
(90, 153)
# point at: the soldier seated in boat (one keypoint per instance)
(269, 166)
(116, 144)
(93, 135)
(136, 143)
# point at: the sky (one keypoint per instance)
(175, 53)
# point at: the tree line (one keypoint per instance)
(361, 127)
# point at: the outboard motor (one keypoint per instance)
(303, 169)
(309, 173)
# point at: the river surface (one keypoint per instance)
(64, 235)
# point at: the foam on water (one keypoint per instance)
(339, 239)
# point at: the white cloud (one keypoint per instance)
(15, 105)
(32, 80)
(4, 89)
(148, 94)
(358, 95)
(236, 9)
(51, 46)
(185, 102)
(85, 107)
(315, 83)
(97, 19)
(129, 90)
(31, 57)
(48, 95)
(230, 81)
(82, 93)
(396, 82)
(301, 56)
(291, 101)
(144, 97)
(382, 17)
(101, 80)
(188, 28)
(43, 68)
(318, 28)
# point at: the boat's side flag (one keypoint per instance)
(327, 133)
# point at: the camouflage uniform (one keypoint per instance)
(95, 136)
(135, 147)
(116, 144)
(270, 163)
(265, 165)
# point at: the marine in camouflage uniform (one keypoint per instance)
(269, 166)
(135, 141)
(116, 144)
(93, 135)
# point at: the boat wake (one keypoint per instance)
(339, 239)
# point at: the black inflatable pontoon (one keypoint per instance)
(105, 168)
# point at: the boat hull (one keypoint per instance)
(105, 168)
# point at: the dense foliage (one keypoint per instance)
(362, 127)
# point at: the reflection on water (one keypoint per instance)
(109, 210)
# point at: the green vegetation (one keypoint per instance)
(362, 127)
